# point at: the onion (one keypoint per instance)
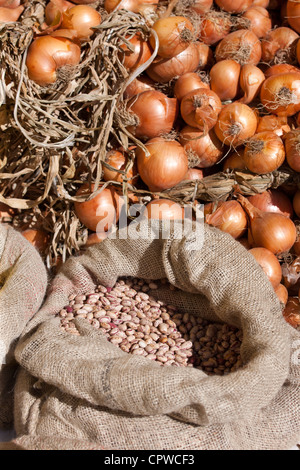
(261, 3)
(230, 218)
(166, 165)
(95, 238)
(214, 26)
(264, 153)
(269, 230)
(119, 161)
(10, 3)
(279, 45)
(244, 242)
(206, 147)
(292, 148)
(54, 7)
(243, 46)
(273, 200)
(269, 263)
(193, 174)
(38, 238)
(102, 211)
(201, 6)
(138, 85)
(234, 6)
(81, 18)
(282, 293)
(10, 15)
(280, 94)
(236, 123)
(277, 124)
(200, 108)
(174, 33)
(251, 80)
(137, 6)
(296, 203)
(259, 20)
(155, 114)
(206, 56)
(164, 209)
(235, 161)
(293, 14)
(164, 70)
(278, 69)
(224, 79)
(292, 310)
(187, 83)
(47, 54)
(140, 54)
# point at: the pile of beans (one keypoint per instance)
(132, 319)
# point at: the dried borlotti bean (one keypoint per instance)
(132, 319)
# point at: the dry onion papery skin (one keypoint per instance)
(279, 45)
(264, 153)
(261, 3)
(207, 147)
(269, 263)
(164, 209)
(273, 200)
(10, 15)
(102, 211)
(81, 18)
(277, 124)
(138, 85)
(166, 165)
(278, 69)
(201, 6)
(292, 312)
(200, 108)
(229, 217)
(243, 46)
(10, 3)
(214, 26)
(136, 6)
(206, 56)
(236, 123)
(193, 174)
(280, 94)
(293, 14)
(164, 70)
(235, 161)
(269, 230)
(187, 83)
(282, 293)
(251, 80)
(292, 148)
(155, 112)
(296, 202)
(142, 51)
(119, 161)
(234, 6)
(259, 19)
(224, 79)
(38, 238)
(174, 33)
(53, 8)
(47, 54)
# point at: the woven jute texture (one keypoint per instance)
(23, 282)
(84, 392)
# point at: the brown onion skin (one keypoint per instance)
(273, 200)
(193, 174)
(278, 69)
(292, 311)
(164, 70)
(156, 114)
(164, 209)
(234, 6)
(277, 44)
(138, 85)
(261, 3)
(38, 238)
(236, 123)
(200, 108)
(187, 83)
(47, 54)
(264, 153)
(105, 207)
(233, 45)
(235, 161)
(53, 8)
(282, 293)
(137, 6)
(224, 79)
(230, 218)
(214, 26)
(170, 32)
(206, 147)
(118, 160)
(81, 18)
(277, 124)
(206, 56)
(165, 167)
(95, 238)
(296, 203)
(293, 15)
(292, 148)
(141, 53)
(201, 6)
(269, 263)
(10, 3)
(251, 80)
(10, 15)
(260, 21)
(271, 91)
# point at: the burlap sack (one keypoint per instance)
(84, 392)
(23, 281)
